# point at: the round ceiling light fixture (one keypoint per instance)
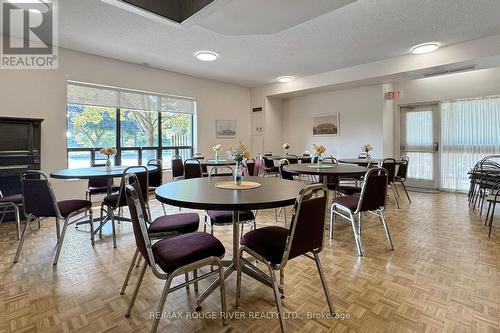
(425, 48)
(206, 55)
(286, 78)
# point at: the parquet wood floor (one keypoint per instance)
(442, 277)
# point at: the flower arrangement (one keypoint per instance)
(108, 151)
(319, 149)
(367, 147)
(238, 153)
(217, 147)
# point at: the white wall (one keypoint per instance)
(42, 94)
(361, 121)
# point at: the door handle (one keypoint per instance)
(435, 146)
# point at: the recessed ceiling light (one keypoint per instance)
(206, 55)
(424, 48)
(285, 79)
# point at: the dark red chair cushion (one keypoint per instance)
(348, 190)
(182, 223)
(67, 207)
(349, 201)
(268, 242)
(226, 216)
(178, 251)
(112, 200)
(14, 198)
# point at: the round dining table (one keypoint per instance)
(326, 169)
(365, 161)
(202, 193)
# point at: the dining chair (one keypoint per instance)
(372, 199)
(402, 174)
(113, 202)
(160, 228)
(172, 257)
(192, 169)
(269, 168)
(249, 167)
(259, 166)
(306, 154)
(156, 178)
(390, 165)
(493, 199)
(177, 168)
(201, 156)
(11, 204)
(292, 159)
(99, 186)
(275, 246)
(39, 201)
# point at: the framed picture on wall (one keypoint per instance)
(225, 128)
(326, 124)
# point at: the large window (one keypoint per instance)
(142, 126)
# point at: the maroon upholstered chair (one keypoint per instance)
(114, 202)
(390, 165)
(177, 168)
(172, 256)
(192, 168)
(11, 204)
(269, 168)
(156, 178)
(274, 246)
(403, 173)
(98, 186)
(40, 202)
(162, 227)
(372, 199)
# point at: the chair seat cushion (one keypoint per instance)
(14, 198)
(111, 200)
(226, 216)
(348, 201)
(175, 252)
(268, 242)
(101, 189)
(348, 190)
(182, 223)
(67, 207)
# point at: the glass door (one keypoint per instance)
(419, 141)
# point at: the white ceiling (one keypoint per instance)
(361, 32)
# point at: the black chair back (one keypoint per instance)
(403, 167)
(177, 167)
(192, 169)
(143, 179)
(293, 159)
(139, 216)
(306, 233)
(268, 163)
(257, 169)
(98, 182)
(39, 198)
(306, 160)
(249, 167)
(330, 160)
(390, 165)
(285, 174)
(156, 176)
(374, 191)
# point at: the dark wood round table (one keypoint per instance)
(340, 170)
(201, 193)
(96, 172)
(364, 161)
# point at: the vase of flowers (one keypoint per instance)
(217, 148)
(367, 148)
(240, 154)
(108, 152)
(319, 150)
(286, 146)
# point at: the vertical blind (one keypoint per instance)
(470, 130)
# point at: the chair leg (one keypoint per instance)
(284, 215)
(487, 214)
(91, 225)
(491, 218)
(186, 278)
(136, 290)
(112, 213)
(100, 220)
(394, 191)
(164, 209)
(139, 260)
(238, 281)
(325, 285)
(23, 237)
(161, 304)
(18, 222)
(195, 276)
(386, 228)
(130, 268)
(356, 236)
(61, 240)
(149, 211)
(58, 230)
(406, 191)
(277, 298)
(282, 282)
(330, 229)
(205, 225)
(222, 292)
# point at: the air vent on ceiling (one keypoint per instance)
(451, 71)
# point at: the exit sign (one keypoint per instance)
(394, 95)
